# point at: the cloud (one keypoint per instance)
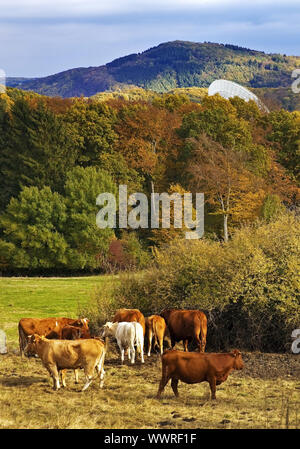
(40, 38)
(16, 9)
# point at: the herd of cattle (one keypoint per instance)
(66, 343)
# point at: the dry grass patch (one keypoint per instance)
(128, 399)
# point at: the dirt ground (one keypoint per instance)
(270, 366)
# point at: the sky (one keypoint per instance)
(43, 37)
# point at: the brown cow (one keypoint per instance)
(186, 325)
(195, 367)
(58, 355)
(45, 326)
(155, 328)
(130, 315)
(73, 333)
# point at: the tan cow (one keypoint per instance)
(195, 367)
(57, 355)
(45, 326)
(130, 315)
(155, 328)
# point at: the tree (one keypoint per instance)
(39, 148)
(33, 226)
(283, 131)
(88, 244)
(94, 122)
(220, 173)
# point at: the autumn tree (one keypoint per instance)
(220, 173)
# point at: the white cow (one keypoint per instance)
(128, 335)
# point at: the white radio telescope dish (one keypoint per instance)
(229, 89)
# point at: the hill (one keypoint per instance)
(171, 65)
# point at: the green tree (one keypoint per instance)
(88, 244)
(94, 122)
(33, 227)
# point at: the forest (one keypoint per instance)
(57, 155)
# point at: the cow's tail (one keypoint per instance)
(139, 339)
(156, 343)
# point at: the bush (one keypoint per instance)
(249, 287)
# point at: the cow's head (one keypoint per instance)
(238, 361)
(30, 349)
(108, 329)
(82, 322)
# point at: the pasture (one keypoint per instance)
(266, 394)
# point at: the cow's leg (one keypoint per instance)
(212, 384)
(88, 371)
(140, 348)
(122, 353)
(161, 346)
(203, 341)
(52, 368)
(174, 385)
(132, 351)
(100, 369)
(164, 380)
(150, 336)
(76, 371)
(185, 344)
(63, 377)
(88, 382)
(173, 341)
(162, 384)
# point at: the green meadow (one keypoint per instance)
(38, 297)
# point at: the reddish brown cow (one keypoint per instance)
(130, 315)
(69, 333)
(195, 367)
(46, 326)
(186, 325)
(155, 328)
(74, 333)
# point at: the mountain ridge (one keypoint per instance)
(170, 65)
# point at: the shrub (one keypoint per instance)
(249, 287)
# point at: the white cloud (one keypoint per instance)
(17, 9)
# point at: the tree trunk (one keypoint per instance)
(226, 228)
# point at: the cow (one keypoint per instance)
(130, 315)
(186, 325)
(127, 335)
(59, 355)
(73, 333)
(195, 367)
(155, 328)
(44, 326)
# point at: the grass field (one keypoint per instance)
(41, 298)
(264, 395)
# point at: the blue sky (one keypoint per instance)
(42, 37)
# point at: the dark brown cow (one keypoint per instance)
(195, 367)
(130, 315)
(45, 326)
(186, 325)
(155, 328)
